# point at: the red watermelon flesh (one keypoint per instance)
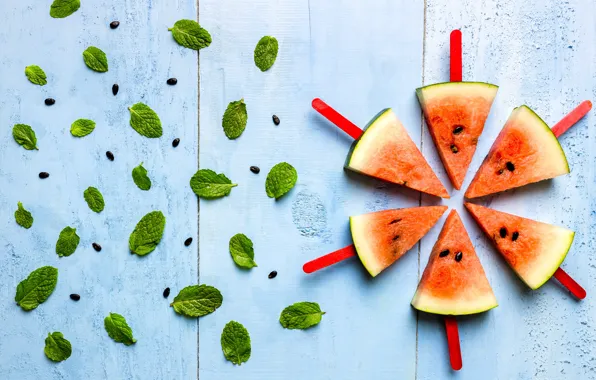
(453, 282)
(525, 151)
(455, 113)
(534, 250)
(382, 237)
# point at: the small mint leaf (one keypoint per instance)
(82, 127)
(94, 199)
(24, 136)
(118, 329)
(64, 8)
(266, 52)
(145, 121)
(197, 300)
(139, 176)
(281, 179)
(57, 347)
(95, 59)
(36, 75)
(234, 119)
(242, 251)
(301, 315)
(209, 185)
(235, 343)
(147, 233)
(23, 217)
(190, 34)
(36, 288)
(68, 241)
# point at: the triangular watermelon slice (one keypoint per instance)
(454, 282)
(525, 151)
(382, 237)
(455, 113)
(386, 151)
(534, 250)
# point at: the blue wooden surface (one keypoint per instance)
(360, 58)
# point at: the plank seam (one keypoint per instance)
(198, 202)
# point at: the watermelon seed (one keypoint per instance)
(500, 171)
(395, 221)
(510, 166)
(503, 232)
(396, 237)
(459, 256)
(454, 148)
(514, 236)
(458, 129)
(444, 253)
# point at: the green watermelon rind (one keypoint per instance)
(354, 146)
(420, 90)
(364, 258)
(453, 312)
(556, 265)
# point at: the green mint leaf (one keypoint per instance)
(68, 241)
(64, 8)
(301, 315)
(235, 343)
(139, 176)
(210, 185)
(281, 179)
(23, 217)
(234, 119)
(197, 301)
(190, 34)
(36, 288)
(147, 234)
(145, 121)
(242, 251)
(94, 199)
(36, 75)
(57, 347)
(118, 329)
(82, 127)
(24, 136)
(266, 52)
(96, 59)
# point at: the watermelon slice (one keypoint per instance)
(533, 249)
(386, 151)
(454, 282)
(455, 113)
(382, 237)
(525, 151)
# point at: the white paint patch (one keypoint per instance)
(310, 216)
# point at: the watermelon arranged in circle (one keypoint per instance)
(386, 151)
(453, 282)
(534, 250)
(525, 151)
(382, 237)
(455, 113)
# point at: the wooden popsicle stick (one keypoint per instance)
(571, 118)
(336, 118)
(570, 284)
(453, 342)
(455, 56)
(329, 259)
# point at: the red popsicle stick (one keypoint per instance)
(336, 118)
(572, 117)
(455, 62)
(570, 284)
(453, 342)
(329, 259)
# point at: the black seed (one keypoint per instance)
(188, 241)
(44, 175)
(115, 89)
(444, 253)
(395, 221)
(176, 142)
(96, 247)
(503, 232)
(114, 24)
(454, 149)
(166, 292)
(255, 169)
(396, 237)
(49, 102)
(458, 129)
(276, 120)
(515, 236)
(273, 274)
(75, 297)
(500, 171)
(110, 155)
(510, 166)
(172, 81)
(459, 256)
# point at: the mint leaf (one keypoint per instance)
(36, 75)
(24, 136)
(94, 199)
(64, 8)
(210, 185)
(190, 34)
(234, 119)
(281, 179)
(266, 52)
(82, 127)
(139, 176)
(145, 121)
(301, 315)
(197, 301)
(242, 251)
(36, 288)
(96, 59)
(23, 217)
(118, 329)
(147, 234)
(68, 241)
(235, 343)
(57, 347)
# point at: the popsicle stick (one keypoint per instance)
(570, 284)
(453, 342)
(572, 118)
(329, 259)
(336, 118)
(455, 56)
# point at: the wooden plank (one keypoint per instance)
(360, 58)
(142, 55)
(541, 55)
